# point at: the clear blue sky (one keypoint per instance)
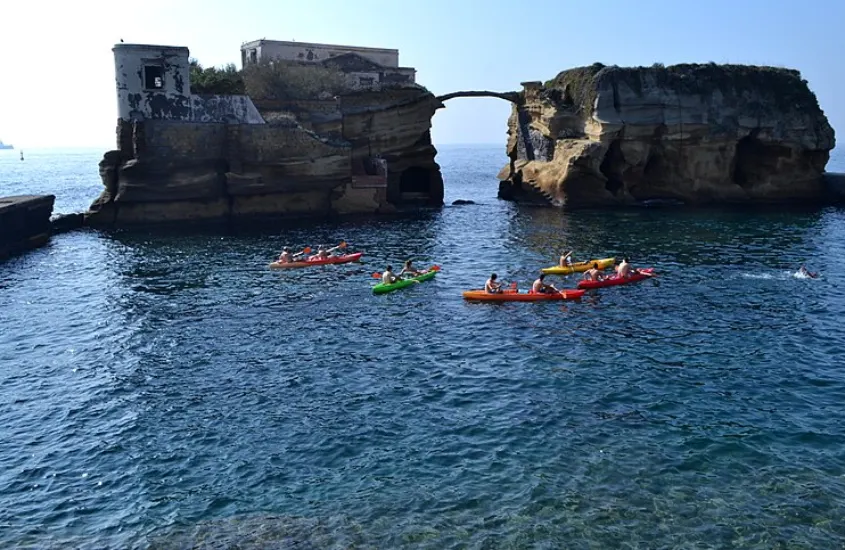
(57, 87)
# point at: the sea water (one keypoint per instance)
(168, 390)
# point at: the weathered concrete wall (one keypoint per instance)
(24, 223)
(152, 82)
(305, 51)
(231, 109)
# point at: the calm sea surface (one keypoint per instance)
(160, 390)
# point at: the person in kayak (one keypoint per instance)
(492, 286)
(322, 254)
(540, 287)
(566, 259)
(388, 277)
(593, 274)
(624, 269)
(285, 257)
(409, 269)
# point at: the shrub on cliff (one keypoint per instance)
(214, 81)
(784, 89)
(284, 80)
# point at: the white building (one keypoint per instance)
(257, 50)
(154, 83)
(365, 67)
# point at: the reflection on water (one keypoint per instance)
(165, 390)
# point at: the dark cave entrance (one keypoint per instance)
(415, 180)
(420, 185)
(613, 160)
(748, 152)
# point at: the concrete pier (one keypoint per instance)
(24, 223)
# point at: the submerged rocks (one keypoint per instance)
(600, 136)
(66, 222)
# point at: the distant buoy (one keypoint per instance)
(21, 155)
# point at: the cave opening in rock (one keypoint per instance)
(611, 167)
(749, 151)
(653, 171)
(415, 181)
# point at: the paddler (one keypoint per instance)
(566, 259)
(624, 269)
(492, 286)
(540, 287)
(409, 269)
(593, 274)
(322, 254)
(285, 257)
(388, 277)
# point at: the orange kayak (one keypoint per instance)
(346, 258)
(516, 296)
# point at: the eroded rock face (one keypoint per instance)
(600, 136)
(167, 171)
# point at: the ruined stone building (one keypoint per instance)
(365, 67)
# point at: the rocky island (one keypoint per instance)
(343, 131)
(317, 130)
(602, 136)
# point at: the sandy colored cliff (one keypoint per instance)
(602, 136)
(310, 159)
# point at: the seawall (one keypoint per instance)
(24, 223)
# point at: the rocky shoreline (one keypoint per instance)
(592, 137)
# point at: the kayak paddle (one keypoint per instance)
(306, 250)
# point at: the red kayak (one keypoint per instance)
(512, 295)
(343, 259)
(635, 276)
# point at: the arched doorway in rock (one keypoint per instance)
(471, 170)
(420, 185)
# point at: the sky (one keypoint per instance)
(57, 86)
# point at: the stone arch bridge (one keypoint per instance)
(514, 97)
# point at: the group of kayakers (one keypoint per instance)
(623, 271)
(323, 253)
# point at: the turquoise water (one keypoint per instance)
(160, 390)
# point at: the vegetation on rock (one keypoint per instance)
(213, 81)
(282, 80)
(279, 80)
(782, 88)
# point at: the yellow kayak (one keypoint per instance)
(579, 267)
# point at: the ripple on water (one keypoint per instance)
(164, 390)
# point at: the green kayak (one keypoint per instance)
(382, 288)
